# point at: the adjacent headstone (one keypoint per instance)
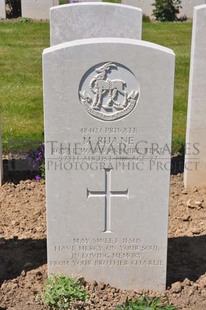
(145, 5)
(195, 158)
(188, 6)
(37, 9)
(108, 119)
(90, 20)
(78, 1)
(2, 9)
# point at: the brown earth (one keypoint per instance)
(23, 267)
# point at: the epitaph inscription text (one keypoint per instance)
(108, 252)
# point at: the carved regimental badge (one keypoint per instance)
(105, 95)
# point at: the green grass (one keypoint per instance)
(176, 36)
(21, 46)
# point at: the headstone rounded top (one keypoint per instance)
(94, 20)
(87, 4)
(200, 7)
(115, 40)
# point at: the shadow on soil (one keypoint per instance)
(186, 258)
(177, 164)
(16, 170)
(20, 255)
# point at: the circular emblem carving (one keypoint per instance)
(109, 91)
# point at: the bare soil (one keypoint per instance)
(23, 259)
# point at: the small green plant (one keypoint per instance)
(166, 10)
(24, 20)
(62, 292)
(63, 2)
(146, 303)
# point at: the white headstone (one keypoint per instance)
(195, 152)
(188, 6)
(2, 9)
(78, 1)
(90, 20)
(37, 9)
(108, 119)
(145, 5)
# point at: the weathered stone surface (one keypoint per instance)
(90, 20)
(108, 120)
(195, 152)
(78, 1)
(145, 5)
(187, 7)
(37, 9)
(2, 9)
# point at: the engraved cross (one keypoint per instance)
(107, 194)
